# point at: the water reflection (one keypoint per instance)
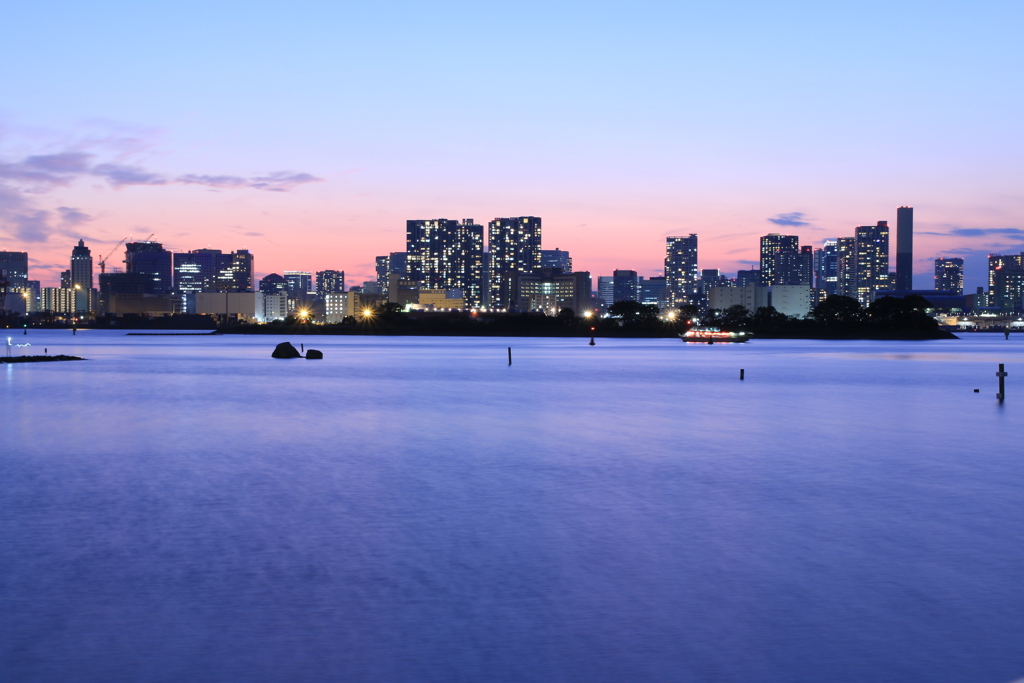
(416, 509)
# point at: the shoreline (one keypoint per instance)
(38, 359)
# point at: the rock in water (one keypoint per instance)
(313, 354)
(286, 350)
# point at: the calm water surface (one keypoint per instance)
(413, 509)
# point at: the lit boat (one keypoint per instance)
(710, 335)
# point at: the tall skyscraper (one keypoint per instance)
(904, 249)
(14, 266)
(81, 277)
(780, 260)
(825, 273)
(606, 289)
(329, 282)
(238, 276)
(151, 261)
(846, 266)
(806, 266)
(681, 274)
(195, 271)
(1006, 281)
(211, 270)
(300, 283)
(949, 275)
(872, 265)
(381, 267)
(446, 254)
(626, 286)
(514, 248)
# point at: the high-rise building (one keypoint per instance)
(57, 299)
(386, 266)
(81, 277)
(238, 276)
(904, 249)
(195, 271)
(274, 284)
(151, 261)
(329, 282)
(651, 291)
(35, 292)
(806, 266)
(872, 265)
(780, 260)
(712, 277)
(300, 283)
(949, 274)
(514, 248)
(825, 272)
(606, 289)
(745, 278)
(1006, 281)
(556, 258)
(14, 268)
(681, 272)
(551, 289)
(846, 266)
(446, 254)
(626, 286)
(211, 270)
(381, 267)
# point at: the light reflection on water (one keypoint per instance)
(413, 509)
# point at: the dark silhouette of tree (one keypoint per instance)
(838, 311)
(689, 312)
(633, 311)
(387, 308)
(733, 319)
(768, 320)
(901, 314)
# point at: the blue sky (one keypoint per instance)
(618, 124)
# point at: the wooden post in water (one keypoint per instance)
(1002, 382)
(741, 373)
(510, 355)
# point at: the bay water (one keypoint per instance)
(185, 508)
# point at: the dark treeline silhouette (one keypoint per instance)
(838, 317)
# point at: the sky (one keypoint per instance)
(309, 132)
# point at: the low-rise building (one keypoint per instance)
(275, 306)
(441, 299)
(792, 300)
(750, 296)
(247, 306)
(550, 290)
(335, 307)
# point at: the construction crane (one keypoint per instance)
(103, 261)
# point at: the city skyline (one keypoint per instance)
(275, 132)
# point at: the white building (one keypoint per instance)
(275, 307)
(751, 297)
(335, 307)
(794, 300)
